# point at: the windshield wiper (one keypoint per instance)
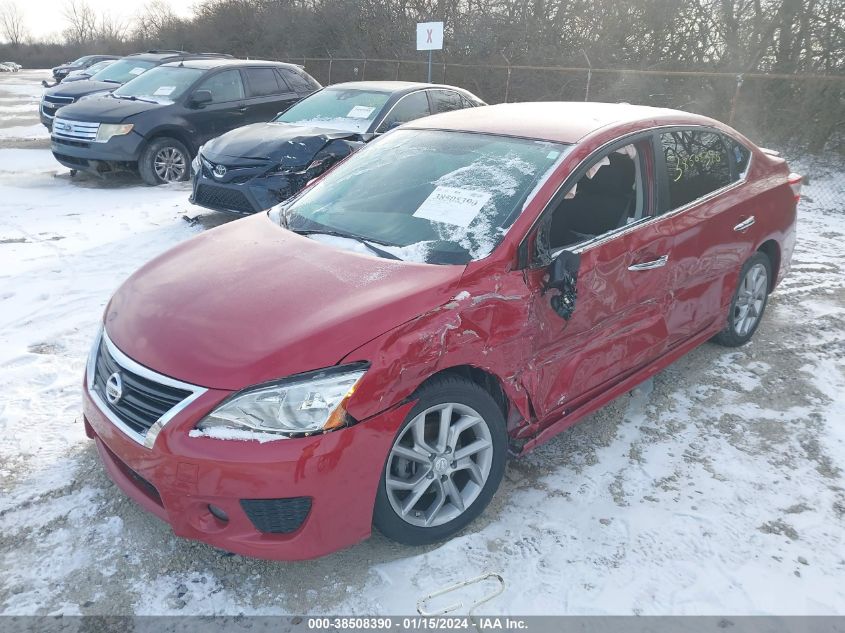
(363, 240)
(133, 98)
(110, 81)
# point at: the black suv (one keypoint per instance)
(109, 79)
(156, 122)
(60, 72)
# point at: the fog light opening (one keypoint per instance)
(218, 513)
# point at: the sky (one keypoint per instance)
(44, 17)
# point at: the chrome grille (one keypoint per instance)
(145, 400)
(78, 130)
(58, 100)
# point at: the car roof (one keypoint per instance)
(390, 86)
(159, 55)
(218, 62)
(558, 121)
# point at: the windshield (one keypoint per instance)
(427, 195)
(93, 68)
(165, 83)
(122, 71)
(348, 109)
(81, 60)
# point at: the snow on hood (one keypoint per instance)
(249, 302)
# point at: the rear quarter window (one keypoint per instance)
(741, 156)
(298, 82)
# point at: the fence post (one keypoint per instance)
(508, 80)
(735, 100)
(398, 63)
(329, 82)
(589, 75)
(364, 66)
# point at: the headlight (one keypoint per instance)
(195, 164)
(300, 405)
(107, 130)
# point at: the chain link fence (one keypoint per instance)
(803, 115)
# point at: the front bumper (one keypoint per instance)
(181, 476)
(244, 190)
(98, 158)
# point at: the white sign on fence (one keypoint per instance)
(429, 36)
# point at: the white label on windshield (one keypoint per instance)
(136, 71)
(164, 91)
(360, 112)
(452, 205)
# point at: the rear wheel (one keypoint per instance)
(749, 302)
(445, 464)
(164, 160)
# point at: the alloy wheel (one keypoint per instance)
(170, 164)
(439, 464)
(750, 299)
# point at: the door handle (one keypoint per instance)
(655, 263)
(242, 108)
(745, 224)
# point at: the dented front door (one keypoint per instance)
(618, 323)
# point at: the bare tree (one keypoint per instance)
(154, 20)
(12, 24)
(82, 22)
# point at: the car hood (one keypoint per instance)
(80, 88)
(249, 302)
(106, 109)
(288, 145)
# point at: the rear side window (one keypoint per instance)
(262, 82)
(410, 107)
(445, 101)
(697, 164)
(297, 82)
(225, 86)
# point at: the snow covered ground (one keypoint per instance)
(718, 489)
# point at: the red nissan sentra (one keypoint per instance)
(464, 288)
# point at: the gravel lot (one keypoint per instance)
(718, 488)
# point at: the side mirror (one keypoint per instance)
(201, 98)
(563, 276)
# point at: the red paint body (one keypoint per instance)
(250, 302)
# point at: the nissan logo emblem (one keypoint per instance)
(114, 388)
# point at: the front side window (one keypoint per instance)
(608, 196)
(262, 82)
(351, 110)
(165, 83)
(428, 195)
(224, 87)
(408, 108)
(696, 163)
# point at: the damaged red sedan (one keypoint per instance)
(462, 289)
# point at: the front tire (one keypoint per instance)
(748, 303)
(446, 462)
(164, 160)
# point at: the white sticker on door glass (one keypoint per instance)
(164, 91)
(360, 112)
(136, 71)
(452, 205)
